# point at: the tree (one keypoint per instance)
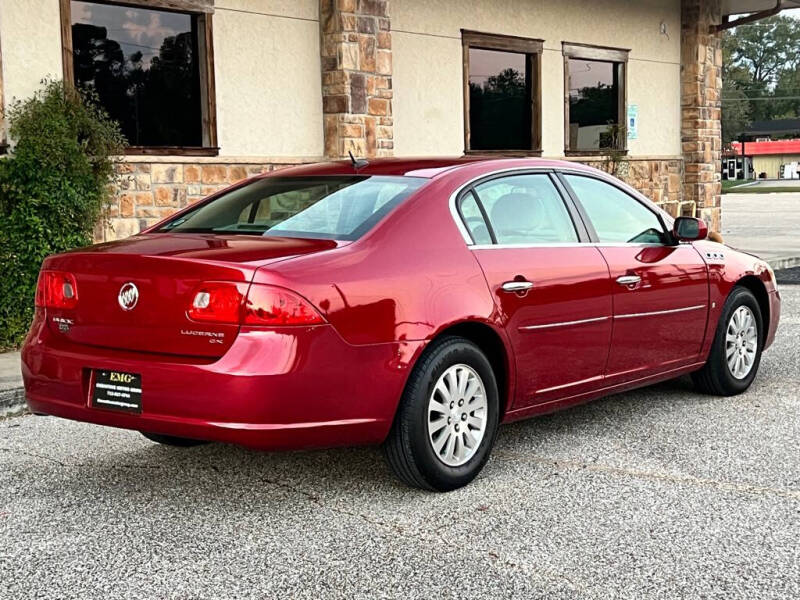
(499, 112)
(787, 93)
(757, 61)
(735, 111)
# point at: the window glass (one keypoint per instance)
(526, 209)
(143, 66)
(500, 100)
(473, 219)
(594, 93)
(336, 207)
(616, 216)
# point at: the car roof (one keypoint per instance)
(428, 167)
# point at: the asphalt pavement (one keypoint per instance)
(657, 493)
(767, 225)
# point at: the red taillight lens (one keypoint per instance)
(267, 305)
(56, 289)
(217, 302)
(263, 305)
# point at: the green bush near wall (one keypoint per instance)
(53, 189)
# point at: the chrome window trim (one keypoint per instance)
(564, 323)
(462, 228)
(660, 312)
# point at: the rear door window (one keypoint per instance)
(526, 209)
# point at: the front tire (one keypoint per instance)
(736, 350)
(447, 419)
(171, 440)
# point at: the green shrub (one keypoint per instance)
(53, 189)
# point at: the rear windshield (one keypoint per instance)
(341, 207)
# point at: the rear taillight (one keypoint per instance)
(56, 289)
(261, 306)
(268, 305)
(217, 302)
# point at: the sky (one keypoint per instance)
(135, 29)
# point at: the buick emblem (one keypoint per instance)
(128, 296)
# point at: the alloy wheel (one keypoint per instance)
(741, 342)
(457, 413)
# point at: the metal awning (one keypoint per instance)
(740, 7)
(750, 11)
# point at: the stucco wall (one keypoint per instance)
(30, 31)
(428, 102)
(267, 67)
(269, 89)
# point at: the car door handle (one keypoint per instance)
(517, 286)
(628, 279)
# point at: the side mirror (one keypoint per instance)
(689, 229)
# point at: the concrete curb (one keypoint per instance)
(784, 262)
(12, 402)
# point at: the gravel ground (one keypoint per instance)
(657, 493)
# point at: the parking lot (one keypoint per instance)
(657, 493)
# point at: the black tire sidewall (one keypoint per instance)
(739, 297)
(434, 471)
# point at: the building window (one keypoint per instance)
(594, 102)
(150, 68)
(502, 93)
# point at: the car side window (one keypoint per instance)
(526, 209)
(616, 216)
(474, 221)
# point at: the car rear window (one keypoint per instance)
(341, 207)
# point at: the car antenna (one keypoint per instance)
(358, 163)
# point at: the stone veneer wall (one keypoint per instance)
(356, 63)
(356, 48)
(149, 191)
(701, 125)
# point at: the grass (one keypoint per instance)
(736, 186)
(761, 190)
(727, 184)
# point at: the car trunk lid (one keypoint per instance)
(134, 294)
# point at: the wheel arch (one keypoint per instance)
(759, 290)
(497, 351)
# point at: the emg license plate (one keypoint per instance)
(117, 390)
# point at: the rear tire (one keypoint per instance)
(447, 419)
(733, 341)
(171, 440)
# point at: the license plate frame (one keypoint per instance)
(114, 390)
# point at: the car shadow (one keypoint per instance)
(212, 470)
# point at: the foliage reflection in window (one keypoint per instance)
(499, 100)
(144, 66)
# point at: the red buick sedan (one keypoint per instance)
(411, 303)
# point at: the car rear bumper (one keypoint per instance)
(287, 388)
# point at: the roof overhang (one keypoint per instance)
(741, 7)
(752, 10)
